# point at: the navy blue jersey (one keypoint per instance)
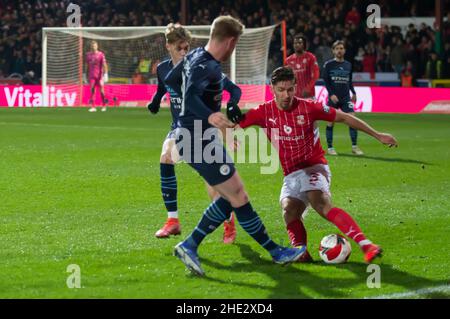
(175, 97)
(338, 79)
(201, 82)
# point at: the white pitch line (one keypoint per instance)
(418, 292)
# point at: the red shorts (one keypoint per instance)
(96, 82)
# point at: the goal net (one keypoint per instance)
(132, 54)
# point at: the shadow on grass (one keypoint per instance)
(385, 159)
(294, 282)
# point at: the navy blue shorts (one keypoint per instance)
(208, 157)
(345, 106)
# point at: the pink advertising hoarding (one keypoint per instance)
(370, 99)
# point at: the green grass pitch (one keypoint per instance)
(83, 188)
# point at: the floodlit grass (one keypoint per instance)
(83, 188)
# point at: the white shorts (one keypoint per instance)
(296, 184)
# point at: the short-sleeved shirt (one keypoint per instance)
(95, 61)
(294, 132)
(306, 72)
(338, 79)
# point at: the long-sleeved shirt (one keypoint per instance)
(200, 81)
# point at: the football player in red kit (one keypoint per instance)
(291, 122)
(305, 67)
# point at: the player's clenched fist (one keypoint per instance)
(153, 107)
(234, 113)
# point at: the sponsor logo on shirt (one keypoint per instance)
(274, 121)
(287, 129)
(290, 138)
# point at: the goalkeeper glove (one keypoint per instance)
(105, 78)
(153, 107)
(234, 113)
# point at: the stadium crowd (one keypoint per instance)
(388, 49)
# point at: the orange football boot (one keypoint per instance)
(229, 233)
(171, 227)
(371, 251)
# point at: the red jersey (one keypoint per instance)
(306, 71)
(294, 132)
(95, 62)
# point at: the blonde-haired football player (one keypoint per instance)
(178, 41)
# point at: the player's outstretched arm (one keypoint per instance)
(360, 125)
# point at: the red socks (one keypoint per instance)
(297, 233)
(348, 226)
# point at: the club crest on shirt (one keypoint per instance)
(298, 66)
(224, 169)
(287, 129)
(300, 119)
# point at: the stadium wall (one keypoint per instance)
(370, 99)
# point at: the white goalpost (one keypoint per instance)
(126, 50)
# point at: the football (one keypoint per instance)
(335, 249)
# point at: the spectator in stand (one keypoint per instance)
(423, 51)
(22, 21)
(447, 61)
(323, 53)
(137, 77)
(358, 61)
(398, 55)
(353, 17)
(369, 61)
(434, 67)
(384, 63)
(29, 78)
(19, 63)
(144, 67)
(407, 76)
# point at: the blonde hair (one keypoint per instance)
(226, 27)
(176, 32)
(338, 42)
